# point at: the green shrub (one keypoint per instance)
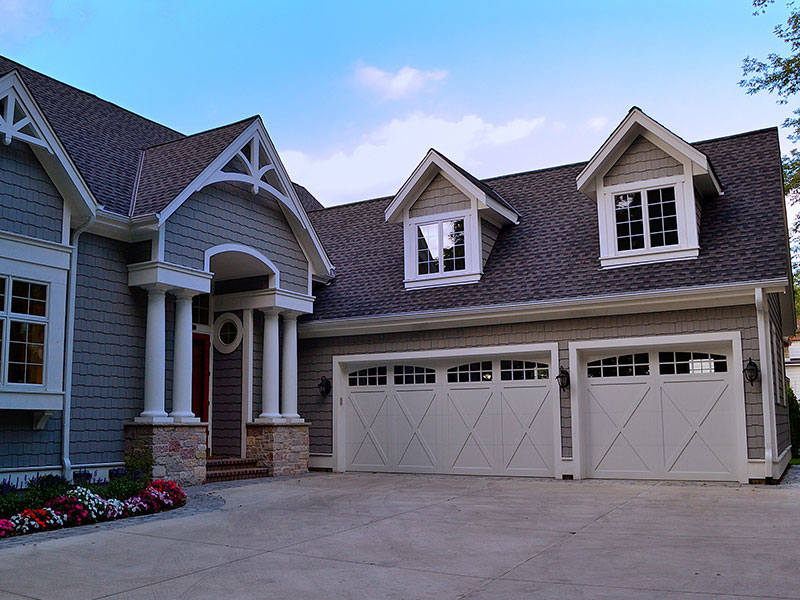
(122, 488)
(794, 421)
(44, 488)
(139, 465)
(10, 499)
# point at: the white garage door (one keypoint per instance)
(664, 413)
(489, 417)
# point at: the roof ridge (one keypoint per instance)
(187, 137)
(135, 192)
(90, 95)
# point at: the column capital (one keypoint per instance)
(156, 289)
(270, 311)
(183, 294)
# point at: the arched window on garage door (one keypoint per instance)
(413, 375)
(371, 376)
(625, 365)
(691, 363)
(519, 370)
(470, 372)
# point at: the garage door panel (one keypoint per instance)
(368, 430)
(471, 422)
(527, 429)
(414, 423)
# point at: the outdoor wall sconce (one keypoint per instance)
(750, 371)
(324, 386)
(562, 378)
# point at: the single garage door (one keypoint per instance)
(662, 413)
(488, 417)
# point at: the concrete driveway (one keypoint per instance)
(369, 536)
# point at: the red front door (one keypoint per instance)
(200, 375)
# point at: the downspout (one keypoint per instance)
(767, 400)
(69, 343)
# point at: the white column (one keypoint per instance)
(270, 361)
(154, 359)
(182, 364)
(289, 370)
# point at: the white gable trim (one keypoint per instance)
(44, 142)
(260, 256)
(432, 164)
(637, 123)
(288, 201)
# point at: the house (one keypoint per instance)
(791, 361)
(619, 318)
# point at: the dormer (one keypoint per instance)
(648, 184)
(450, 221)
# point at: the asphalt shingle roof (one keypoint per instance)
(553, 253)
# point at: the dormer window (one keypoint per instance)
(441, 247)
(651, 224)
(450, 223)
(649, 185)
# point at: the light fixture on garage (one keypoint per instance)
(750, 371)
(324, 386)
(563, 378)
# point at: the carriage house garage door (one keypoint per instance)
(477, 415)
(664, 412)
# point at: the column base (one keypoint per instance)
(269, 419)
(178, 449)
(157, 418)
(280, 447)
(185, 419)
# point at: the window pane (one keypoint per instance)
(26, 353)
(662, 220)
(2, 294)
(428, 249)
(628, 211)
(28, 298)
(453, 246)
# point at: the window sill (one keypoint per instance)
(650, 256)
(442, 280)
(12, 399)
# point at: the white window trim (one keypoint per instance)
(472, 250)
(227, 317)
(41, 262)
(687, 247)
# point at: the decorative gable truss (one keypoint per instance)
(450, 222)
(648, 184)
(252, 159)
(22, 119)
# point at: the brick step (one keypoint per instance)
(235, 474)
(217, 464)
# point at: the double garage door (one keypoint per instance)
(662, 412)
(487, 416)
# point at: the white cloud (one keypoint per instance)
(384, 158)
(391, 86)
(597, 123)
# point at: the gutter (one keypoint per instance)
(69, 344)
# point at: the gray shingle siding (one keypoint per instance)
(783, 435)
(29, 202)
(440, 196)
(642, 160)
(489, 233)
(226, 213)
(108, 366)
(21, 446)
(226, 398)
(316, 355)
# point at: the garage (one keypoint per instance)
(664, 412)
(477, 415)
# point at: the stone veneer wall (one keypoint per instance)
(280, 447)
(179, 449)
(316, 356)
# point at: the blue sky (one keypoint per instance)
(354, 93)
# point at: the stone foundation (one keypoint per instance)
(280, 447)
(178, 449)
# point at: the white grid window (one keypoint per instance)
(653, 224)
(686, 363)
(520, 370)
(441, 247)
(370, 376)
(411, 375)
(470, 373)
(23, 328)
(626, 365)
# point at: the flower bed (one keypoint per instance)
(51, 502)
